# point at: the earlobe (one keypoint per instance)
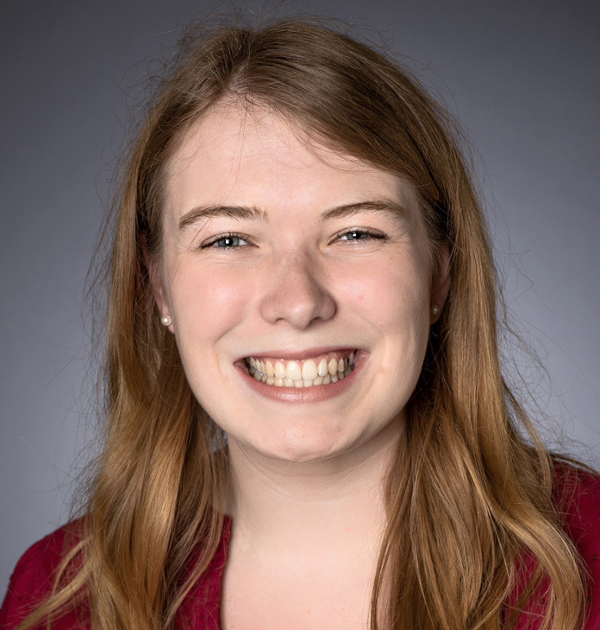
(156, 284)
(440, 284)
(161, 302)
(159, 298)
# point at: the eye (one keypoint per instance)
(226, 241)
(357, 234)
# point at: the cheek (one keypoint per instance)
(207, 305)
(393, 295)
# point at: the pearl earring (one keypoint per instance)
(165, 320)
(435, 310)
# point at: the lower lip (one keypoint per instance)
(314, 394)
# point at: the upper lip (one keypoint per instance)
(300, 355)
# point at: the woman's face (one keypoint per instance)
(288, 263)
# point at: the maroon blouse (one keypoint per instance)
(577, 493)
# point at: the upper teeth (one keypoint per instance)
(321, 370)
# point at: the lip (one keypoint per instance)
(314, 394)
(299, 355)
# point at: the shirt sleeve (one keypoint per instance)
(31, 583)
(579, 501)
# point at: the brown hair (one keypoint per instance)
(468, 505)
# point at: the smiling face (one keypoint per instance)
(298, 282)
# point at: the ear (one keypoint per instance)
(440, 283)
(156, 283)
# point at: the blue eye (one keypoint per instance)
(355, 235)
(359, 235)
(226, 241)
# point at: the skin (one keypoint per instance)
(306, 504)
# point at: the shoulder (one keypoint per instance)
(32, 580)
(577, 499)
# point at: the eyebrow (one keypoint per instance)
(252, 213)
(385, 205)
(210, 212)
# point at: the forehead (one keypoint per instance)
(230, 134)
(240, 155)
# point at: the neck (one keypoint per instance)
(333, 506)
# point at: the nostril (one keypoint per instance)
(300, 310)
(297, 293)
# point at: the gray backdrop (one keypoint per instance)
(522, 76)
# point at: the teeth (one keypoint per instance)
(293, 371)
(279, 370)
(322, 370)
(309, 371)
(300, 374)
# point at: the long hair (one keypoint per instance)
(469, 503)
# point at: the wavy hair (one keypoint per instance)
(470, 501)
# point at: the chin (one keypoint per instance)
(302, 446)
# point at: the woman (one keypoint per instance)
(307, 423)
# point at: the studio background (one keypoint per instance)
(522, 77)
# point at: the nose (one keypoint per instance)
(296, 293)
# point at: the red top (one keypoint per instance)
(577, 492)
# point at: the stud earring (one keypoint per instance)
(165, 320)
(435, 310)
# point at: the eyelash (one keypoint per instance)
(222, 237)
(231, 235)
(371, 234)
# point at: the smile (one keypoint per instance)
(321, 370)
